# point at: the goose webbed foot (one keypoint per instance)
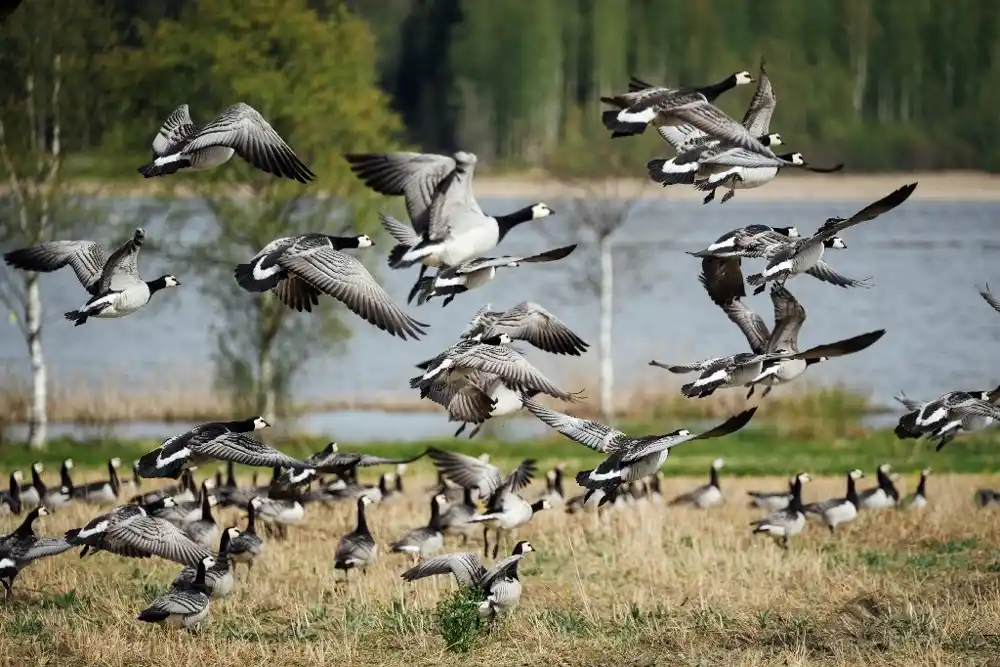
(709, 197)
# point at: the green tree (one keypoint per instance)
(312, 76)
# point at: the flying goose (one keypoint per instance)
(525, 321)
(645, 104)
(281, 513)
(248, 546)
(990, 299)
(23, 546)
(357, 549)
(948, 415)
(203, 531)
(884, 495)
(629, 457)
(706, 495)
(222, 441)
(345, 464)
(129, 530)
(105, 490)
(184, 605)
(772, 501)
(919, 498)
(798, 257)
(10, 501)
(786, 522)
(239, 129)
(448, 225)
(505, 510)
(454, 280)
(490, 356)
(300, 268)
(426, 540)
(749, 241)
(113, 282)
(500, 583)
(218, 577)
(836, 511)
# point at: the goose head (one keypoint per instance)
(718, 463)
(790, 232)
(541, 210)
(522, 547)
(803, 478)
(365, 241)
(743, 78)
(856, 474)
(772, 139)
(835, 243)
(259, 423)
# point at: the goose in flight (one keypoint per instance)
(629, 458)
(240, 129)
(948, 415)
(448, 225)
(527, 321)
(220, 441)
(300, 268)
(23, 547)
(800, 256)
(989, 298)
(455, 280)
(113, 282)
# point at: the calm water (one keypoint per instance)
(925, 260)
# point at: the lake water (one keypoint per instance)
(925, 258)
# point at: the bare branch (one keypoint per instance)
(54, 153)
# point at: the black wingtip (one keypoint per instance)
(620, 128)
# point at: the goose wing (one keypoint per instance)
(533, 324)
(750, 323)
(908, 402)
(510, 365)
(179, 601)
(466, 567)
(122, 269)
(399, 231)
(346, 279)
(175, 132)
(500, 570)
(47, 546)
(986, 294)
(157, 537)
(656, 444)
(297, 294)
(467, 471)
(841, 347)
(240, 448)
(480, 321)
(828, 274)
(86, 258)
(722, 278)
(714, 122)
(354, 546)
(454, 210)
(243, 129)
(509, 260)
(597, 436)
(789, 315)
(834, 226)
(682, 138)
(757, 119)
(414, 176)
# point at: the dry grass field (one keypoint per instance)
(649, 585)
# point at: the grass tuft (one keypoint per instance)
(458, 618)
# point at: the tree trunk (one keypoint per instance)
(38, 420)
(607, 320)
(266, 399)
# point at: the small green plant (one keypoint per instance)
(458, 615)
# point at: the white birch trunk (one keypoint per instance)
(607, 369)
(38, 419)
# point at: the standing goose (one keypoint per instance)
(239, 129)
(10, 502)
(130, 531)
(357, 549)
(836, 511)
(500, 583)
(990, 299)
(222, 441)
(449, 227)
(281, 512)
(63, 494)
(32, 494)
(218, 577)
(629, 457)
(919, 499)
(104, 491)
(529, 322)
(772, 501)
(23, 546)
(426, 540)
(706, 495)
(185, 605)
(882, 496)
(113, 282)
(789, 521)
(798, 257)
(248, 546)
(456, 520)
(203, 531)
(454, 280)
(300, 268)
(645, 104)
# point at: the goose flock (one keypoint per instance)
(482, 375)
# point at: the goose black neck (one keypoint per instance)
(399, 483)
(219, 483)
(113, 479)
(435, 522)
(852, 490)
(242, 425)
(467, 496)
(558, 482)
(27, 529)
(251, 520)
(813, 360)
(505, 223)
(206, 505)
(713, 91)
(14, 488)
(342, 242)
(537, 506)
(224, 543)
(36, 481)
(156, 285)
(713, 479)
(922, 486)
(199, 577)
(230, 475)
(382, 486)
(64, 477)
(362, 527)
(795, 504)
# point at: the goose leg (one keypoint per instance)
(486, 541)
(460, 429)
(709, 197)
(6, 587)
(475, 431)
(416, 285)
(750, 393)
(496, 543)
(767, 390)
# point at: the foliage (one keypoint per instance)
(458, 617)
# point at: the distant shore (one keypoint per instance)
(972, 186)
